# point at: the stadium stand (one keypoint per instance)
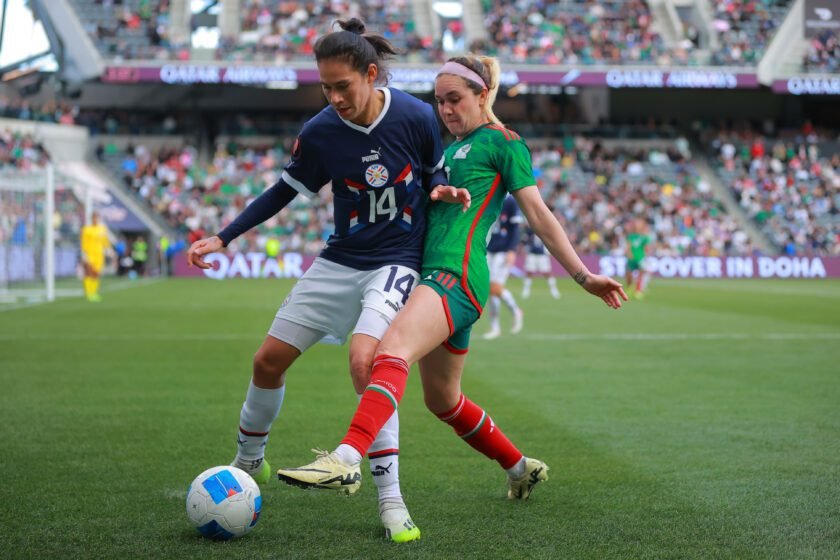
(596, 191)
(275, 30)
(823, 54)
(197, 199)
(573, 32)
(578, 32)
(744, 29)
(130, 29)
(790, 185)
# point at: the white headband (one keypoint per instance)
(458, 69)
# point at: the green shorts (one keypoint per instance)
(634, 264)
(460, 312)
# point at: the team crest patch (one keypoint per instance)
(376, 175)
(462, 152)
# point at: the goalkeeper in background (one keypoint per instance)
(94, 243)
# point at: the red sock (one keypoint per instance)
(379, 401)
(475, 427)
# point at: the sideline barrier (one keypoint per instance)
(293, 265)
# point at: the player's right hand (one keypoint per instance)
(203, 247)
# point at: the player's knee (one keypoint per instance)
(268, 367)
(360, 366)
(439, 401)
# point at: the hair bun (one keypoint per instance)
(353, 25)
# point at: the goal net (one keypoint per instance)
(40, 222)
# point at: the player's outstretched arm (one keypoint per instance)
(546, 226)
(452, 195)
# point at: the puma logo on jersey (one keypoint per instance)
(462, 152)
(374, 156)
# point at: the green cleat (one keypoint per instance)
(398, 524)
(327, 472)
(535, 472)
(259, 469)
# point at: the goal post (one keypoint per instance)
(40, 222)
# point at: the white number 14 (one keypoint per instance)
(386, 205)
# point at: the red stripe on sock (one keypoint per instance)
(449, 414)
(488, 439)
(389, 373)
(383, 453)
(252, 434)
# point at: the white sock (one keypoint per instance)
(552, 285)
(384, 457)
(509, 300)
(526, 287)
(517, 470)
(494, 307)
(347, 454)
(259, 411)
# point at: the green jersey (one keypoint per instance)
(638, 242)
(490, 162)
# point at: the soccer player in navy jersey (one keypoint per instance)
(537, 263)
(381, 150)
(501, 254)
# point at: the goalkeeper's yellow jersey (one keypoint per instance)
(95, 241)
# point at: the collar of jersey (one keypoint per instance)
(385, 106)
(473, 131)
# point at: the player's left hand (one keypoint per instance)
(606, 288)
(452, 195)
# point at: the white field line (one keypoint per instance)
(115, 287)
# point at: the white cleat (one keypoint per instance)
(326, 472)
(398, 524)
(517, 322)
(535, 472)
(492, 334)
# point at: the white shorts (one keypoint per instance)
(537, 264)
(499, 267)
(332, 299)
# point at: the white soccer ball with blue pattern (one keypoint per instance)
(223, 503)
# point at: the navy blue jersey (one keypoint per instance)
(533, 242)
(505, 233)
(378, 176)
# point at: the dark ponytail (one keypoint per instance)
(357, 48)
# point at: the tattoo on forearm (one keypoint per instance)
(580, 277)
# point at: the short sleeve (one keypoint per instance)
(304, 173)
(513, 162)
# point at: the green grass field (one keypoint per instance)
(703, 422)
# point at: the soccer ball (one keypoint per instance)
(223, 503)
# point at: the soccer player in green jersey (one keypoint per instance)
(488, 160)
(637, 243)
